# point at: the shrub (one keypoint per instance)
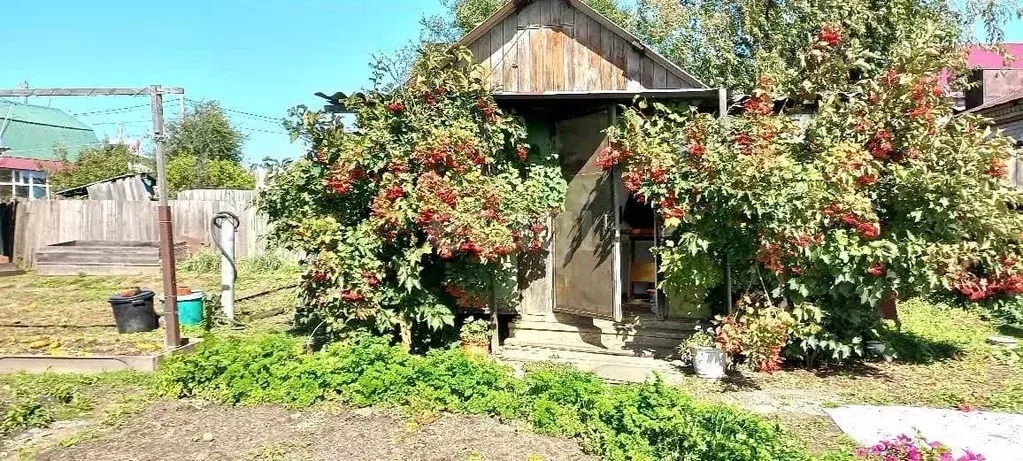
(476, 332)
(640, 422)
(417, 212)
(884, 192)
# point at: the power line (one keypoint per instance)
(107, 111)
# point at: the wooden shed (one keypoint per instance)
(566, 69)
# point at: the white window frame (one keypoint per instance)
(24, 178)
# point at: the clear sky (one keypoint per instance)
(257, 56)
(260, 57)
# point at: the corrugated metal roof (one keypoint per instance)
(33, 132)
(1006, 98)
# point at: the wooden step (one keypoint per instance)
(641, 341)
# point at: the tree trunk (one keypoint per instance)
(405, 329)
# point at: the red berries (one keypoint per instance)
(876, 270)
(352, 296)
(867, 179)
(522, 152)
(830, 34)
(395, 192)
(395, 106)
(869, 231)
(881, 145)
(996, 168)
(610, 156)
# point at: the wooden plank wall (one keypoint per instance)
(551, 46)
(44, 222)
(124, 189)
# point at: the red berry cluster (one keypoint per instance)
(395, 106)
(830, 34)
(759, 105)
(464, 298)
(880, 146)
(868, 229)
(610, 156)
(996, 168)
(522, 152)
(670, 209)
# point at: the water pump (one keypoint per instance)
(223, 238)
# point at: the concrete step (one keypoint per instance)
(614, 368)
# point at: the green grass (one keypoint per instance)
(70, 315)
(35, 400)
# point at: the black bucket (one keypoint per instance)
(134, 313)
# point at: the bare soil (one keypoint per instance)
(195, 430)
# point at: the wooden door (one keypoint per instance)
(586, 278)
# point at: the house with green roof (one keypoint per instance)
(29, 138)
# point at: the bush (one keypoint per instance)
(645, 421)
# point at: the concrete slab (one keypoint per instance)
(997, 436)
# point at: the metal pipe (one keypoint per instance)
(228, 269)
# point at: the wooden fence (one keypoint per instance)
(45, 222)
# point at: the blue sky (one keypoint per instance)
(261, 57)
(257, 56)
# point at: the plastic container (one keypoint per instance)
(190, 308)
(134, 313)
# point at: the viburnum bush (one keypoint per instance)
(880, 193)
(416, 208)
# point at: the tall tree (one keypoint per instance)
(205, 132)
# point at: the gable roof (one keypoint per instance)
(32, 132)
(575, 34)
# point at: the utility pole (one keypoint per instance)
(163, 214)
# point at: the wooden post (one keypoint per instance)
(723, 116)
(165, 228)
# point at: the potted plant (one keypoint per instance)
(475, 337)
(700, 350)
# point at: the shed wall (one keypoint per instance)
(551, 46)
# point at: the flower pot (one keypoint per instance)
(476, 349)
(709, 362)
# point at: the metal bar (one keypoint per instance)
(166, 229)
(690, 94)
(25, 92)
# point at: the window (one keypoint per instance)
(24, 184)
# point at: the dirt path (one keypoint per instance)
(191, 430)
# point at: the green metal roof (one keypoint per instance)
(35, 131)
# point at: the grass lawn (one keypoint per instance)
(70, 315)
(942, 361)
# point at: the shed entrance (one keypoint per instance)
(586, 245)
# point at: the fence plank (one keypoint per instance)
(46, 222)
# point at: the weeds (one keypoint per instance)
(643, 421)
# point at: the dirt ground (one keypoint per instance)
(195, 430)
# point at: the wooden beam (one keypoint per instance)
(143, 91)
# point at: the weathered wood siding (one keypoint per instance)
(44, 222)
(551, 46)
